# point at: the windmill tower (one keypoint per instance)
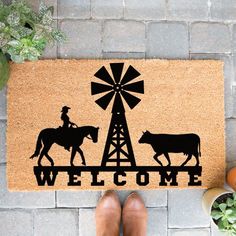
(118, 147)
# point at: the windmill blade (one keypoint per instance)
(104, 101)
(117, 71)
(99, 88)
(131, 100)
(103, 74)
(137, 87)
(130, 74)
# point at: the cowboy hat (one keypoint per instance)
(65, 108)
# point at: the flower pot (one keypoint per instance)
(4, 70)
(231, 178)
(210, 196)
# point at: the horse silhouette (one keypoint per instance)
(71, 137)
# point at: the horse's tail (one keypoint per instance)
(38, 146)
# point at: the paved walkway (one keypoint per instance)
(185, 29)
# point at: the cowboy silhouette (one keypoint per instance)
(65, 118)
(66, 122)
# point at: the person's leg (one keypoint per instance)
(134, 216)
(108, 215)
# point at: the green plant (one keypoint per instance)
(4, 70)
(25, 33)
(224, 214)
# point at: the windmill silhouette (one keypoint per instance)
(118, 147)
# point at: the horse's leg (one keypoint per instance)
(188, 159)
(50, 159)
(82, 156)
(72, 156)
(40, 158)
(45, 153)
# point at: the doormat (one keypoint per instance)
(115, 124)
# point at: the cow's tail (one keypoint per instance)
(199, 147)
(38, 146)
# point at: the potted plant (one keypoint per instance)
(24, 34)
(220, 204)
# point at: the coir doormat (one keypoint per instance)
(115, 124)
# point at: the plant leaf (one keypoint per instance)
(234, 196)
(225, 223)
(228, 211)
(30, 53)
(229, 202)
(221, 225)
(215, 214)
(39, 45)
(14, 33)
(42, 8)
(47, 18)
(61, 37)
(2, 25)
(4, 70)
(234, 227)
(13, 19)
(4, 38)
(223, 206)
(23, 31)
(14, 43)
(51, 9)
(17, 58)
(232, 218)
(215, 204)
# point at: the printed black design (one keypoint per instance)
(118, 147)
(65, 136)
(116, 88)
(189, 144)
(66, 119)
(66, 123)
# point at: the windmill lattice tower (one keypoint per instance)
(118, 147)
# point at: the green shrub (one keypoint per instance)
(24, 33)
(224, 215)
(4, 70)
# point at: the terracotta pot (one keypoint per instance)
(210, 196)
(231, 178)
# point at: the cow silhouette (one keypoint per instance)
(189, 144)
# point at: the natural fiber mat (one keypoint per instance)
(115, 124)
